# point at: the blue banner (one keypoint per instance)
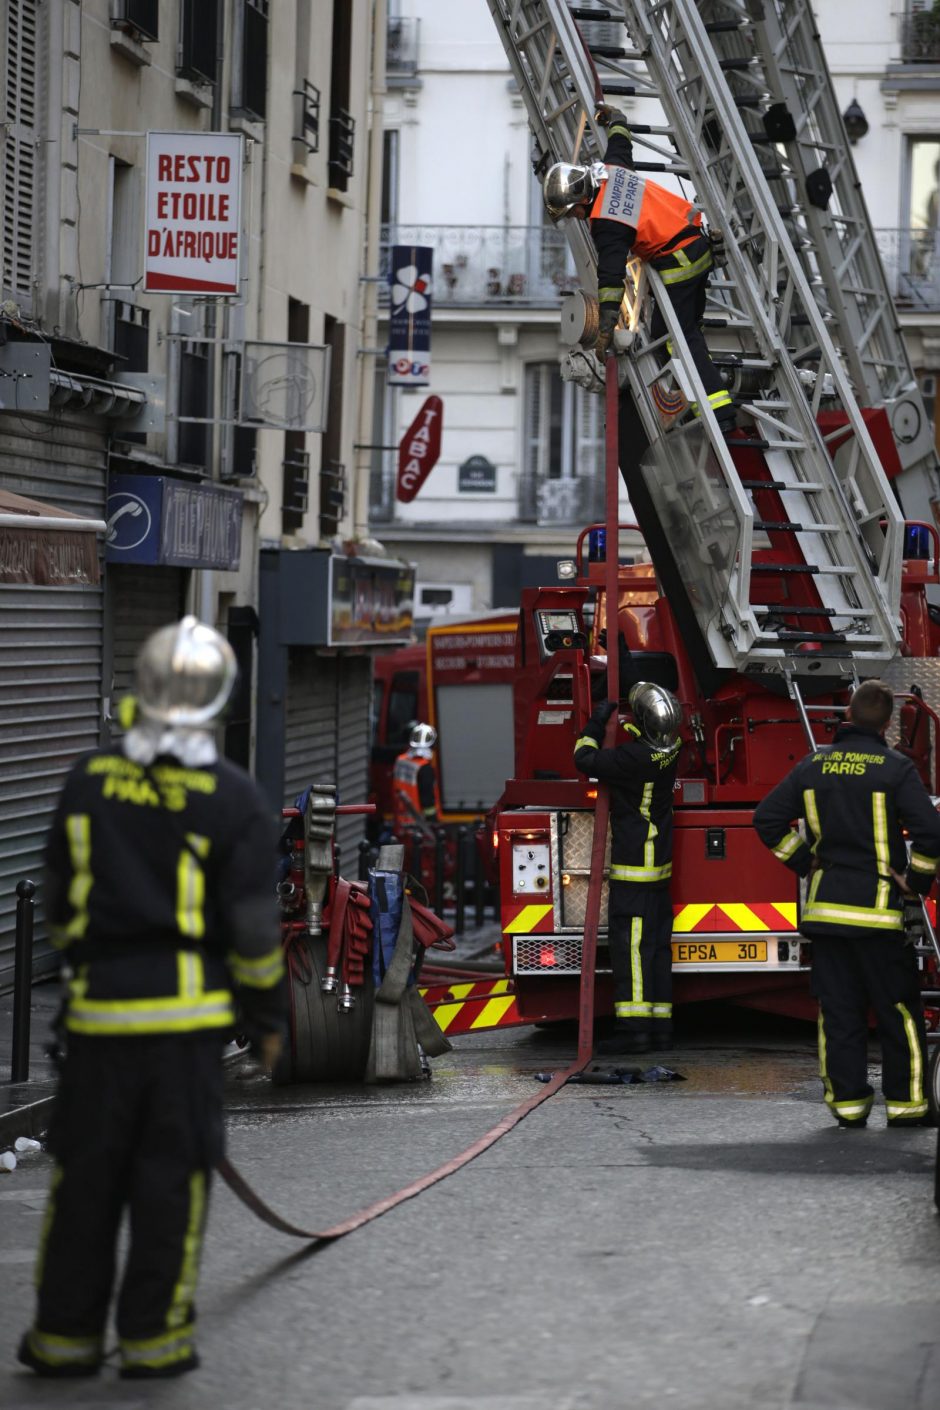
(152, 519)
(409, 329)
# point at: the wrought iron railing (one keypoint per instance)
(920, 36)
(912, 263)
(489, 264)
(571, 500)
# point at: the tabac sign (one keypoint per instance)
(193, 206)
(419, 449)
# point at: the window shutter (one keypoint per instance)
(19, 150)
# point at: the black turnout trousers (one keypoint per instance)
(851, 976)
(137, 1125)
(640, 941)
(688, 304)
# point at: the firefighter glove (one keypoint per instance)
(606, 116)
(607, 321)
(603, 712)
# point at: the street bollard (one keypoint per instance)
(460, 882)
(365, 858)
(22, 980)
(439, 839)
(479, 881)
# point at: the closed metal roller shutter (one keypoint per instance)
(51, 650)
(142, 599)
(327, 736)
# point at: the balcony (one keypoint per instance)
(482, 266)
(912, 264)
(920, 35)
(401, 49)
(567, 501)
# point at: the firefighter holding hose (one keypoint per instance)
(640, 772)
(159, 896)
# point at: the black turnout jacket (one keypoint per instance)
(641, 781)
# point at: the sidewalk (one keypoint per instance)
(24, 1106)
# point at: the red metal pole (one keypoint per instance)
(602, 807)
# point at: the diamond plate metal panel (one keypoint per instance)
(905, 671)
(576, 838)
(574, 898)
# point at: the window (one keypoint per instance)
(307, 116)
(332, 469)
(199, 22)
(390, 178)
(193, 444)
(562, 479)
(250, 82)
(20, 150)
(132, 336)
(295, 467)
(919, 274)
(342, 123)
(139, 17)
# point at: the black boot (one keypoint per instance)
(624, 1039)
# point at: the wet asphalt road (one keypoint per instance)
(710, 1244)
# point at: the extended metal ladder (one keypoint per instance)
(837, 517)
(809, 166)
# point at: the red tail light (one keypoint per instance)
(547, 957)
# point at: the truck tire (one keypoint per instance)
(326, 1045)
(933, 1081)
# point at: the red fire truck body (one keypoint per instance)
(736, 908)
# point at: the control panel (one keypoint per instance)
(531, 869)
(558, 628)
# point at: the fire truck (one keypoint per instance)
(788, 561)
(460, 681)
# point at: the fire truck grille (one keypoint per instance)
(553, 954)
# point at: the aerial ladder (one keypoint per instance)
(800, 307)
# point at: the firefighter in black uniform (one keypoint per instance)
(641, 772)
(854, 797)
(631, 215)
(159, 893)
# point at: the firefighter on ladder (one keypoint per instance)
(854, 798)
(159, 894)
(415, 799)
(640, 772)
(633, 216)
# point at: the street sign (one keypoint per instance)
(193, 205)
(419, 448)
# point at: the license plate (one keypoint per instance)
(719, 952)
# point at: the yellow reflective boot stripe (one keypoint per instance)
(661, 1010)
(78, 833)
(47, 1219)
(917, 1056)
(823, 1071)
(180, 1309)
(879, 823)
(64, 1351)
(261, 973)
(191, 887)
(159, 1351)
(626, 1009)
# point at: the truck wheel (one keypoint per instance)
(327, 1045)
(933, 1081)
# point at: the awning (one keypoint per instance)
(46, 546)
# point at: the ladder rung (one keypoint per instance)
(603, 15)
(808, 636)
(811, 486)
(607, 51)
(620, 90)
(778, 609)
(724, 26)
(787, 526)
(733, 65)
(835, 570)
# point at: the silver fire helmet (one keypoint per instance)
(566, 186)
(423, 738)
(185, 675)
(657, 713)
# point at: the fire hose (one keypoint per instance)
(240, 1186)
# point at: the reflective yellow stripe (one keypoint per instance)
(662, 1010)
(879, 822)
(917, 1056)
(619, 872)
(78, 832)
(742, 916)
(47, 1219)
(159, 1351)
(715, 400)
(191, 887)
(527, 919)
(623, 1009)
(261, 973)
(619, 127)
(785, 849)
(636, 968)
(606, 296)
(900, 1110)
(492, 1011)
(686, 270)
(812, 815)
(689, 916)
(920, 862)
(823, 1072)
(585, 742)
(158, 1015)
(190, 975)
(181, 1303)
(868, 917)
(64, 1351)
(853, 1110)
(787, 911)
(652, 831)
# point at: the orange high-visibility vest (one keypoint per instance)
(656, 214)
(408, 810)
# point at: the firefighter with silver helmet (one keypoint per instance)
(640, 771)
(633, 216)
(415, 798)
(159, 896)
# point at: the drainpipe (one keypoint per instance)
(369, 286)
